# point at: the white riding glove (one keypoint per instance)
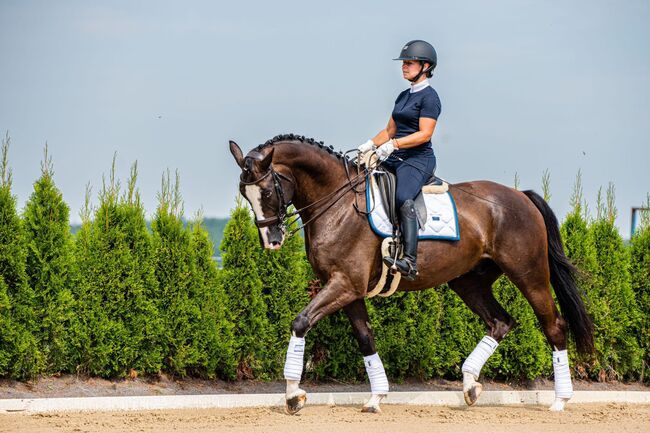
(385, 149)
(366, 147)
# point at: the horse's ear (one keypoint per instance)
(266, 162)
(237, 153)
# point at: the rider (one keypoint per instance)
(405, 144)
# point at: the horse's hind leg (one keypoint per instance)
(533, 282)
(475, 289)
(358, 315)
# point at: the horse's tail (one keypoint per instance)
(563, 280)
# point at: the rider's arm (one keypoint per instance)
(385, 134)
(427, 125)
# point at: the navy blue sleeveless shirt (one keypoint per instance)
(409, 107)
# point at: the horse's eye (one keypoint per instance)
(266, 194)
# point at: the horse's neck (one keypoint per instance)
(317, 175)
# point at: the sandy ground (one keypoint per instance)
(343, 419)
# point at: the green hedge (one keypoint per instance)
(117, 299)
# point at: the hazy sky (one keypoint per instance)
(525, 86)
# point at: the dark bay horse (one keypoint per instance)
(503, 231)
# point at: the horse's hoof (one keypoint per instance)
(296, 402)
(472, 394)
(371, 409)
(372, 405)
(558, 405)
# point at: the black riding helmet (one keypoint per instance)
(421, 51)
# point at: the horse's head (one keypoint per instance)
(268, 191)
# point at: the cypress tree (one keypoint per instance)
(640, 280)
(614, 308)
(173, 272)
(120, 284)
(284, 280)
(580, 249)
(216, 331)
(240, 279)
(50, 271)
(90, 314)
(24, 358)
(179, 297)
(8, 333)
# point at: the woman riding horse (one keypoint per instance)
(405, 145)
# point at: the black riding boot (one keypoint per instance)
(409, 227)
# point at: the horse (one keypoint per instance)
(504, 231)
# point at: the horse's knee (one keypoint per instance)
(300, 326)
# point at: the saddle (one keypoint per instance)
(387, 182)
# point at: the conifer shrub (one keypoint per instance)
(51, 272)
(640, 281)
(216, 331)
(118, 286)
(613, 305)
(22, 356)
(179, 298)
(241, 281)
(285, 276)
(580, 249)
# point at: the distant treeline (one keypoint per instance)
(119, 299)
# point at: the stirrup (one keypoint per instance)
(410, 274)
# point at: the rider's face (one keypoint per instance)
(411, 68)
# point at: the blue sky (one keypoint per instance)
(525, 86)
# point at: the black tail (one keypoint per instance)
(563, 280)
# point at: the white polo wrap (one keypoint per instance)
(376, 374)
(563, 385)
(294, 361)
(479, 356)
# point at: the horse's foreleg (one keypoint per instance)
(336, 294)
(358, 315)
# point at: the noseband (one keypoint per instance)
(281, 216)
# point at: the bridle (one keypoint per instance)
(279, 191)
(282, 218)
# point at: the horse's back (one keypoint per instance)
(505, 218)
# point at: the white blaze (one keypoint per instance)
(254, 196)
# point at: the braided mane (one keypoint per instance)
(305, 140)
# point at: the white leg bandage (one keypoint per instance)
(376, 374)
(294, 361)
(475, 361)
(563, 386)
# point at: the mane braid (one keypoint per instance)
(294, 137)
